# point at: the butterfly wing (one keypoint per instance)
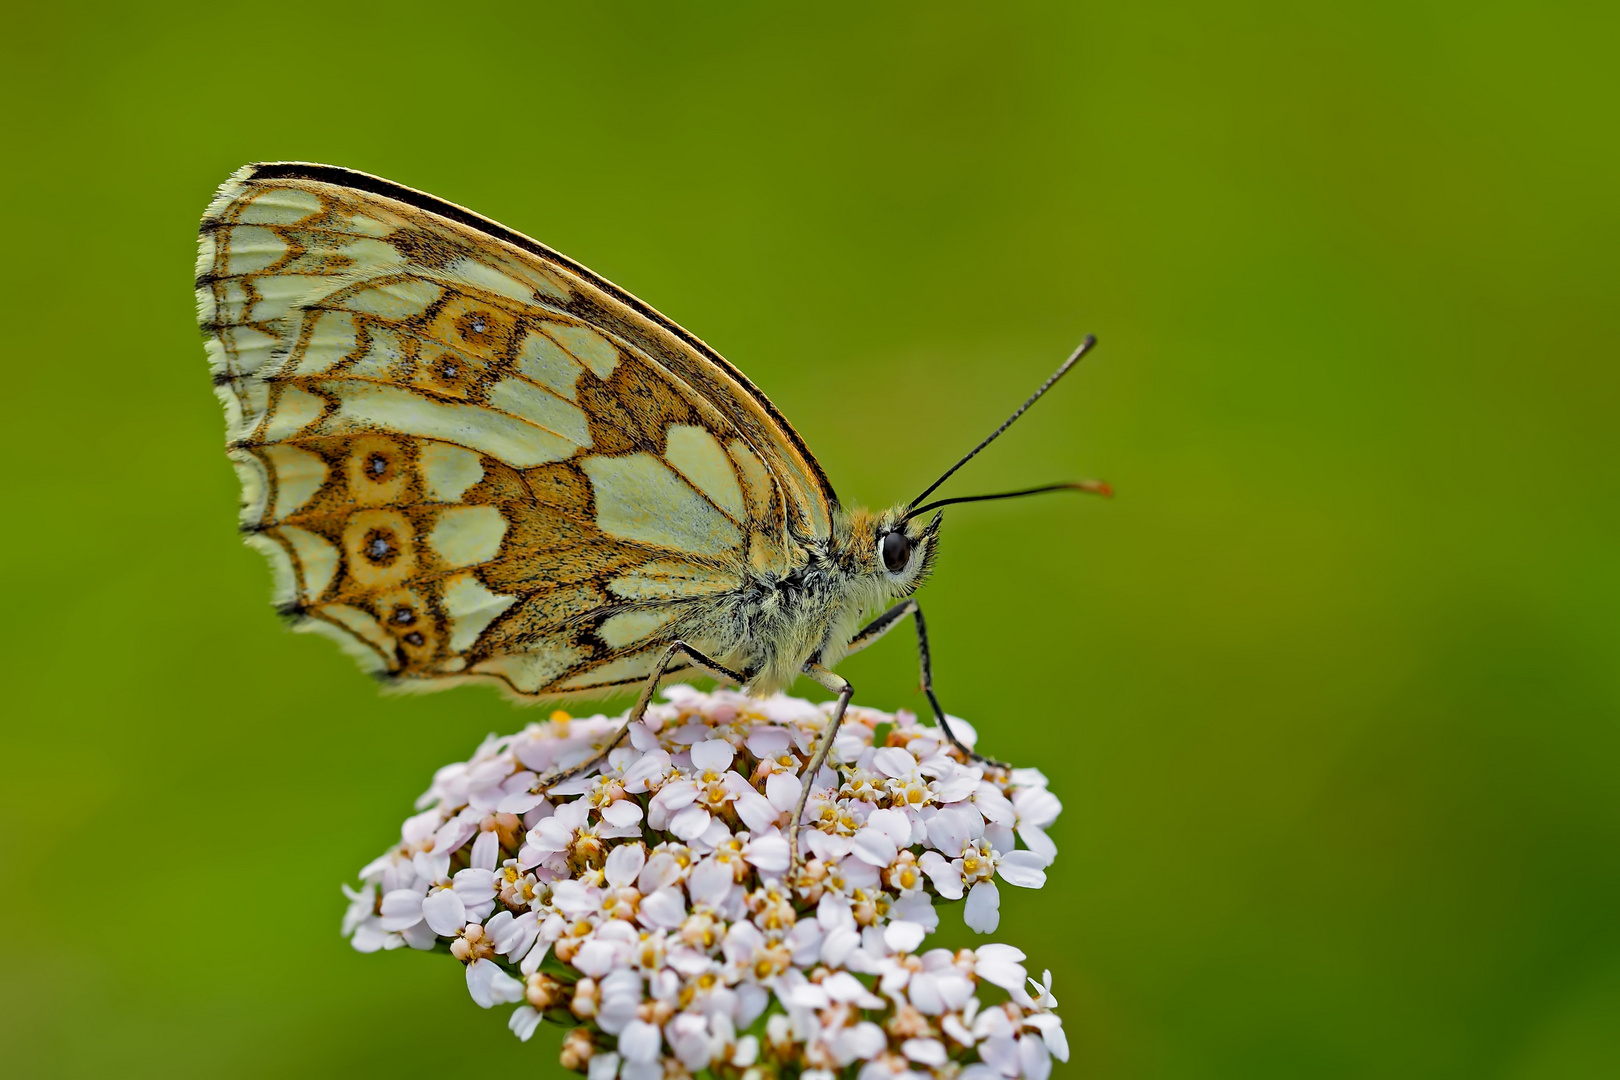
(469, 457)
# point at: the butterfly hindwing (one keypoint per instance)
(471, 458)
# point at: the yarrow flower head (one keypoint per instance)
(650, 903)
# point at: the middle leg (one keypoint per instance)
(886, 622)
(840, 686)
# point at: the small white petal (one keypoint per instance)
(513, 936)
(535, 957)
(639, 1042)
(999, 964)
(804, 940)
(947, 878)
(596, 958)
(895, 762)
(710, 882)
(1036, 806)
(917, 908)
(444, 912)
(1000, 1052)
(486, 851)
(925, 994)
(924, 1051)
(1051, 1029)
(1025, 869)
(622, 814)
(401, 908)
(713, 755)
(834, 912)
(369, 936)
(716, 834)
(902, 936)
(754, 809)
(452, 834)
(769, 852)
(419, 936)
(951, 829)
(474, 886)
(664, 908)
(864, 1040)
(768, 742)
(894, 824)
(982, 912)
(603, 1067)
(690, 823)
(825, 846)
(1033, 1058)
(873, 847)
(842, 986)
(524, 1020)
(957, 786)
(490, 986)
(1036, 840)
(989, 801)
(624, 862)
(431, 865)
(782, 789)
(837, 945)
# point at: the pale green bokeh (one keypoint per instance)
(1329, 691)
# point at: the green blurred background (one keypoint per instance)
(1329, 691)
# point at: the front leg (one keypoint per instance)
(648, 689)
(886, 622)
(841, 687)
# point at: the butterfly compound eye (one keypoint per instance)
(896, 551)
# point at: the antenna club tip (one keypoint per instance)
(1096, 487)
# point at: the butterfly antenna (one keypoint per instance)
(1074, 358)
(1094, 487)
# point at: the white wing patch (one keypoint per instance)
(468, 535)
(471, 608)
(448, 471)
(592, 348)
(367, 407)
(536, 667)
(299, 475)
(698, 456)
(629, 627)
(639, 498)
(542, 408)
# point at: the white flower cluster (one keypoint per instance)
(649, 904)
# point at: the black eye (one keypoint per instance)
(896, 551)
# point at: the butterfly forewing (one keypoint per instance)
(469, 457)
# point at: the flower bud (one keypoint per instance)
(586, 998)
(544, 992)
(577, 1049)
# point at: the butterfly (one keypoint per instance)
(470, 459)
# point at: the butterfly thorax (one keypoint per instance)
(779, 622)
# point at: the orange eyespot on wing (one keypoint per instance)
(468, 457)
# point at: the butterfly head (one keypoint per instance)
(895, 551)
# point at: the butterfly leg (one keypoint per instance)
(639, 709)
(886, 622)
(840, 686)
